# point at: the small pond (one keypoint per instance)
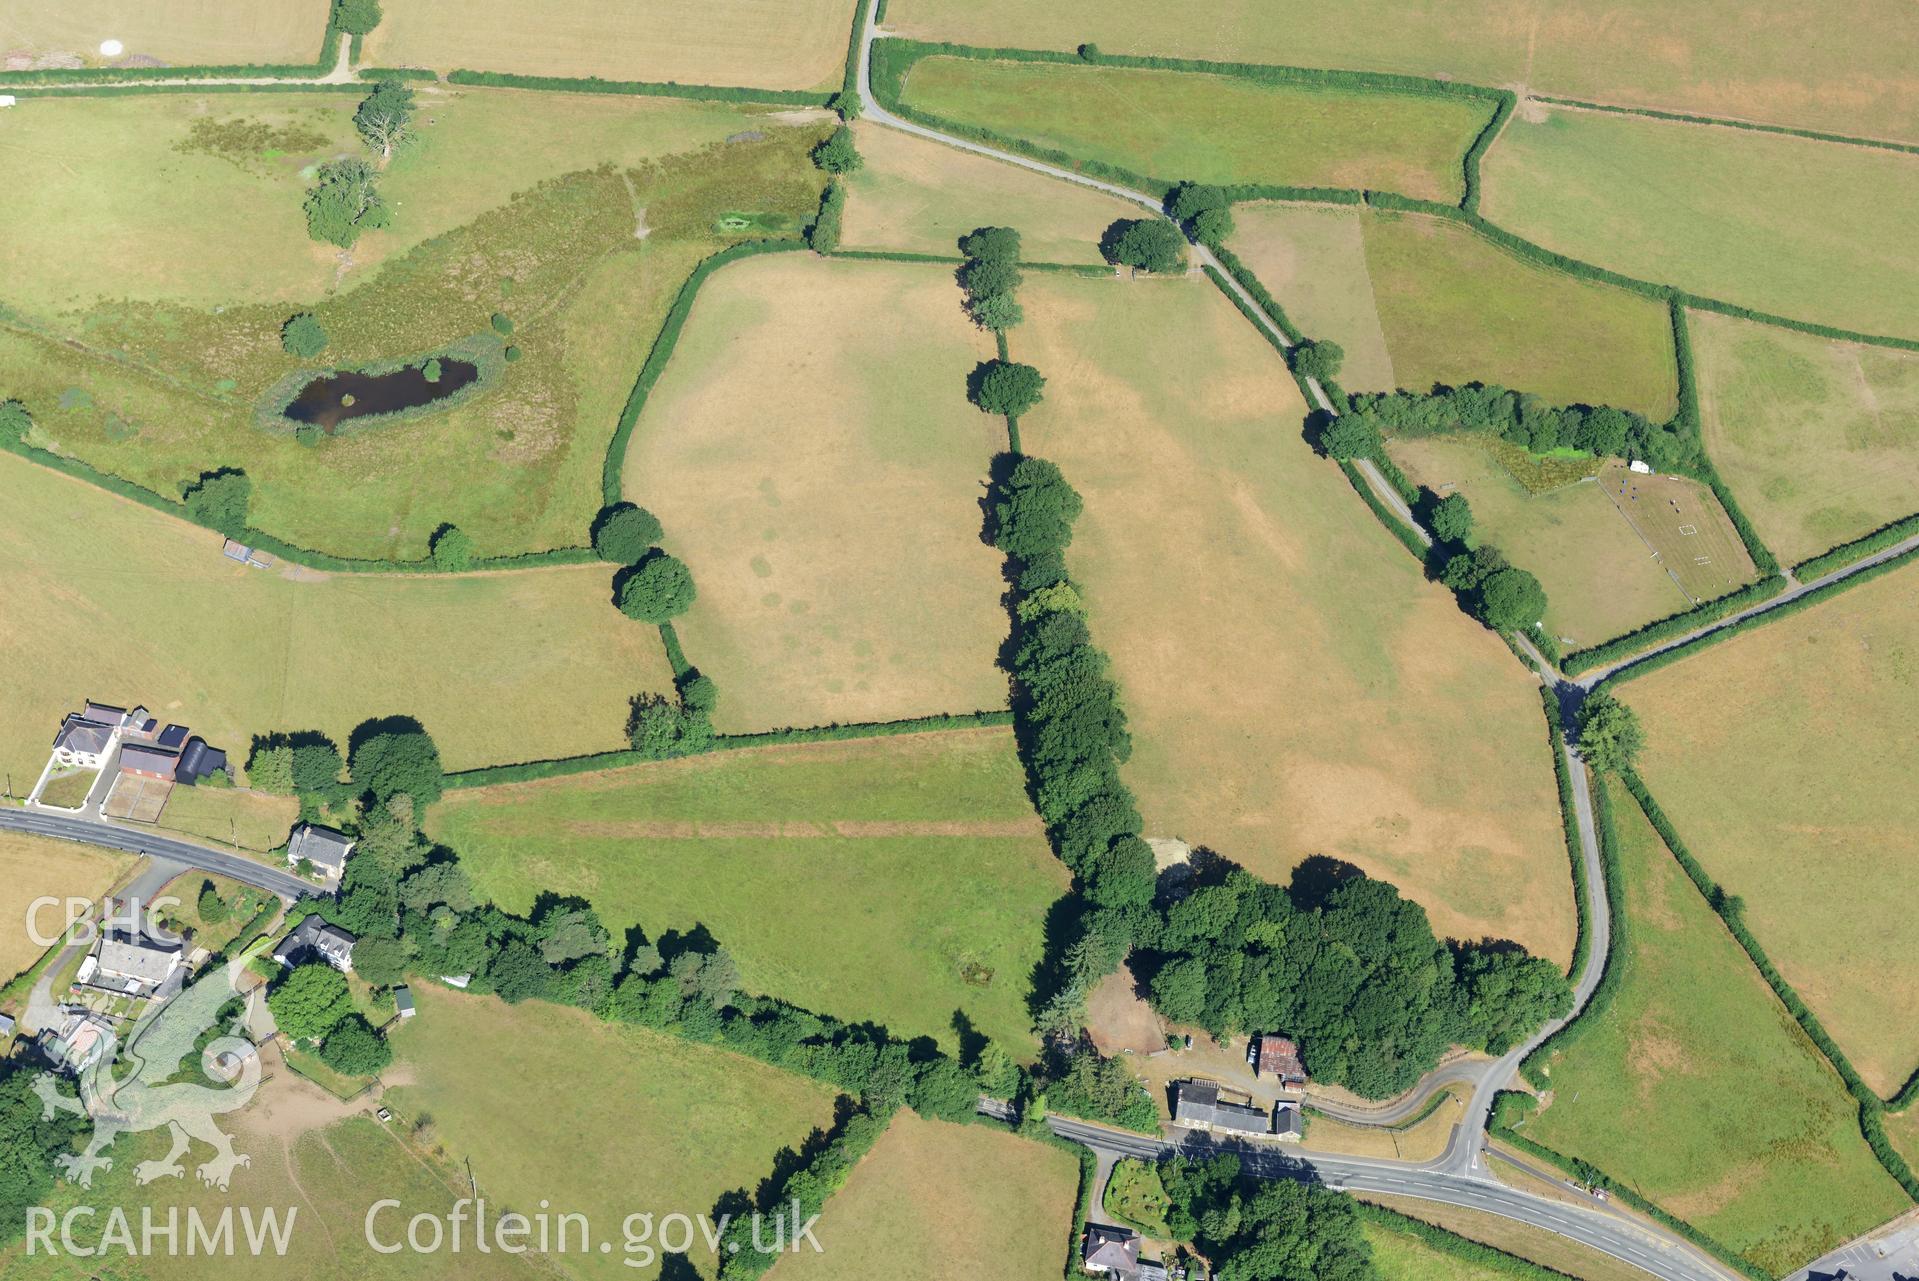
(329, 401)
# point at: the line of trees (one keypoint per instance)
(990, 275)
(1530, 422)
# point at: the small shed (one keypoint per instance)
(403, 1001)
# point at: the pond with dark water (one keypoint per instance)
(329, 401)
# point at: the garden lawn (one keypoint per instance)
(765, 44)
(1783, 758)
(1743, 1129)
(1458, 309)
(1819, 439)
(1294, 685)
(1853, 79)
(892, 879)
(1174, 125)
(939, 1200)
(181, 32)
(634, 1121)
(483, 660)
(1601, 581)
(1312, 258)
(921, 197)
(1811, 230)
(812, 454)
(32, 868)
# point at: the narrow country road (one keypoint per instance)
(167, 849)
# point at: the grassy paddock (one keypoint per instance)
(183, 32)
(765, 44)
(32, 867)
(1851, 80)
(1747, 1131)
(1784, 761)
(1819, 439)
(1313, 259)
(1293, 684)
(251, 820)
(1175, 125)
(923, 848)
(1457, 308)
(1811, 230)
(921, 197)
(482, 659)
(821, 473)
(649, 1123)
(939, 1200)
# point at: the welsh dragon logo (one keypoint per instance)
(159, 1092)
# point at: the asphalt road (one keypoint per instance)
(168, 849)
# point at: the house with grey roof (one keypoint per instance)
(149, 761)
(1197, 1106)
(1289, 1122)
(1111, 1250)
(130, 964)
(314, 941)
(322, 847)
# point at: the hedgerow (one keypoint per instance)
(1536, 1066)
(1476, 1253)
(662, 351)
(1814, 568)
(329, 54)
(801, 1193)
(1569, 828)
(1727, 907)
(115, 91)
(1878, 144)
(1672, 625)
(397, 73)
(1481, 145)
(639, 88)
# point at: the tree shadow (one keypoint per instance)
(1315, 879)
(371, 729)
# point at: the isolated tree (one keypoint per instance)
(823, 235)
(345, 202)
(310, 1001)
(624, 533)
(303, 336)
(658, 588)
(406, 761)
(1349, 436)
(995, 243)
(838, 154)
(451, 549)
(1610, 737)
(353, 1047)
(1452, 519)
(432, 370)
(356, 17)
(1318, 359)
(1005, 387)
(385, 118)
(1511, 600)
(219, 499)
(213, 908)
(1190, 199)
(1211, 227)
(1147, 244)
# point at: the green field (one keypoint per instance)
(483, 660)
(1294, 685)
(1456, 309)
(1784, 759)
(1403, 1256)
(176, 370)
(896, 879)
(1312, 258)
(921, 197)
(820, 471)
(634, 1121)
(207, 32)
(1853, 79)
(1180, 125)
(1819, 439)
(939, 1200)
(765, 44)
(1811, 230)
(1696, 1088)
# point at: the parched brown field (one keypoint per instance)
(1601, 579)
(1295, 687)
(501, 666)
(764, 44)
(813, 456)
(1784, 758)
(1819, 439)
(1857, 77)
(1313, 259)
(939, 1200)
(182, 32)
(32, 867)
(921, 197)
